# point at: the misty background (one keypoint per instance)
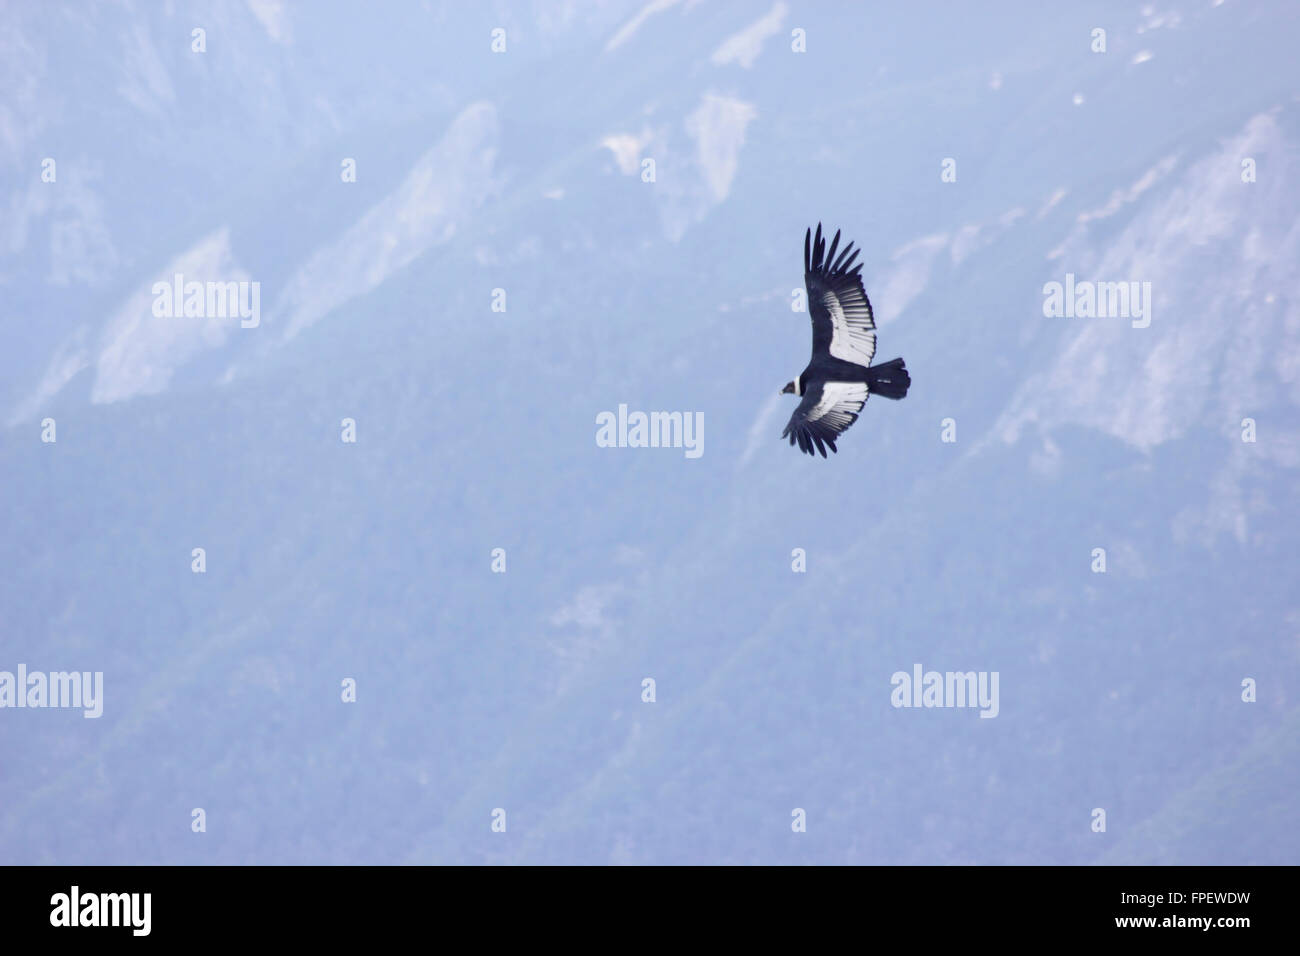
(521, 171)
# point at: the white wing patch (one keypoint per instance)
(839, 404)
(853, 331)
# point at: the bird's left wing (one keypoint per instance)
(843, 324)
(825, 412)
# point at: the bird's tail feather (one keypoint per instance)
(889, 379)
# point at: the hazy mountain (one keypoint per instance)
(517, 177)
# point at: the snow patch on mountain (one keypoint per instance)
(139, 351)
(744, 47)
(1220, 255)
(436, 197)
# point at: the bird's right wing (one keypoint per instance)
(825, 412)
(843, 325)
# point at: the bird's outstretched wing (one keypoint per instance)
(843, 325)
(826, 411)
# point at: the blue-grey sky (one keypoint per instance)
(355, 579)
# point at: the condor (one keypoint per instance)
(839, 376)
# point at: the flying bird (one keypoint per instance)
(839, 376)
